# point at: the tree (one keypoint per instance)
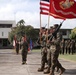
(31, 33)
(17, 31)
(73, 34)
(21, 22)
(11, 35)
(21, 30)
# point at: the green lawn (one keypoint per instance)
(65, 56)
(68, 57)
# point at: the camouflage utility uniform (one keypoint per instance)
(24, 44)
(55, 49)
(43, 53)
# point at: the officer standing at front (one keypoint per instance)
(24, 44)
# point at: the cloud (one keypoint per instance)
(75, 0)
(30, 18)
(29, 11)
(20, 9)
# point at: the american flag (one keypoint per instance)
(44, 7)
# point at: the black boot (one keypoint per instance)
(62, 70)
(47, 71)
(40, 69)
(51, 73)
(57, 69)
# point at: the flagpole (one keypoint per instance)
(40, 29)
(48, 26)
(48, 20)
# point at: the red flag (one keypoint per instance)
(14, 41)
(44, 7)
(63, 8)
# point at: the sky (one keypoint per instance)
(29, 11)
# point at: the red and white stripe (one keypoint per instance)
(44, 7)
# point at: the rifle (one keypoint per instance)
(45, 25)
(55, 32)
(38, 40)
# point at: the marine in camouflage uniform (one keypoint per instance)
(43, 52)
(66, 44)
(62, 45)
(46, 71)
(55, 49)
(49, 51)
(17, 47)
(72, 46)
(24, 45)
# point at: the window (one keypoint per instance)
(64, 33)
(5, 25)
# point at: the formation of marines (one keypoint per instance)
(50, 49)
(68, 46)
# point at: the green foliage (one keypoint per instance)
(31, 33)
(21, 30)
(21, 22)
(73, 34)
(11, 35)
(74, 30)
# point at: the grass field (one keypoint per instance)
(68, 57)
(65, 56)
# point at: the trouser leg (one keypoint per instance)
(43, 59)
(24, 56)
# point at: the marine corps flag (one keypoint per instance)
(63, 8)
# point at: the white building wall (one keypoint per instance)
(4, 32)
(67, 34)
(8, 22)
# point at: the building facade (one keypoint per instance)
(5, 28)
(65, 33)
